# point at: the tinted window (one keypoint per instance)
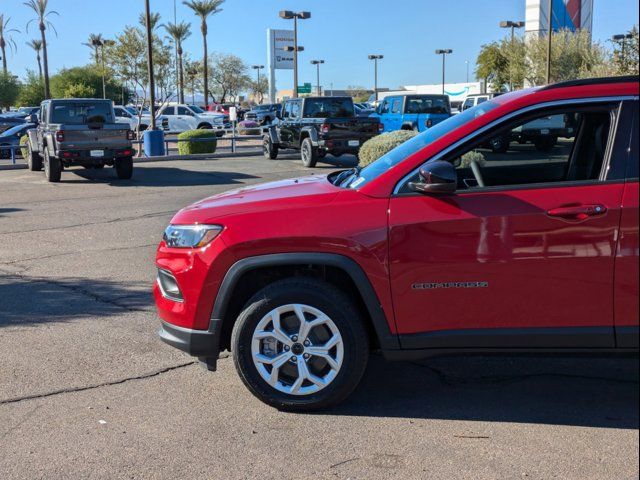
(427, 104)
(184, 111)
(196, 109)
(78, 113)
(482, 100)
(328, 107)
(385, 107)
(468, 103)
(632, 170)
(287, 110)
(295, 110)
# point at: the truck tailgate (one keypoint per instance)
(352, 127)
(108, 136)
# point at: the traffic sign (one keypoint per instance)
(306, 88)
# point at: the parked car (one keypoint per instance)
(180, 118)
(124, 115)
(317, 126)
(11, 138)
(412, 112)
(424, 252)
(264, 114)
(79, 131)
(7, 122)
(22, 112)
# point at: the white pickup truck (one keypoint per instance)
(180, 118)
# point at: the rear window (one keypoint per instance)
(427, 104)
(328, 107)
(76, 113)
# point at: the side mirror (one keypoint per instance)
(33, 118)
(436, 177)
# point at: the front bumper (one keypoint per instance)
(204, 344)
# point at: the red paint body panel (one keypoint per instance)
(626, 281)
(542, 271)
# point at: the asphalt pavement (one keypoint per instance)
(88, 391)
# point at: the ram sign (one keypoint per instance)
(278, 41)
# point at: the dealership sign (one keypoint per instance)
(278, 41)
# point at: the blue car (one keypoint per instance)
(11, 138)
(412, 112)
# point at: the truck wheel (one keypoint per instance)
(546, 143)
(124, 168)
(34, 160)
(204, 126)
(269, 150)
(309, 153)
(499, 144)
(52, 167)
(300, 345)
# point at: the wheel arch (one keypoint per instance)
(249, 275)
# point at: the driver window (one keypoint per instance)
(287, 110)
(563, 146)
(295, 109)
(385, 107)
(185, 111)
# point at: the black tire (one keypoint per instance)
(124, 167)
(204, 126)
(52, 167)
(499, 144)
(308, 153)
(546, 143)
(34, 160)
(269, 150)
(330, 301)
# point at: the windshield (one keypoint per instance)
(77, 113)
(131, 110)
(427, 104)
(415, 144)
(328, 107)
(195, 108)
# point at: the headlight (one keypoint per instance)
(190, 236)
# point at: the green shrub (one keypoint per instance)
(23, 149)
(469, 157)
(373, 149)
(189, 148)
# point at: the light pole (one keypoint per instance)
(375, 59)
(466, 63)
(317, 63)
(257, 68)
(152, 83)
(444, 53)
(549, 33)
(288, 15)
(512, 25)
(622, 37)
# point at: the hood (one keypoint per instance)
(279, 195)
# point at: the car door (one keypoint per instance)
(169, 114)
(285, 125)
(626, 272)
(384, 114)
(396, 113)
(523, 254)
(184, 119)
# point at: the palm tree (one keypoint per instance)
(179, 32)
(204, 8)
(154, 19)
(40, 9)
(6, 40)
(37, 46)
(95, 42)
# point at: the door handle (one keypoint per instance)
(577, 212)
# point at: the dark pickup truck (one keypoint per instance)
(79, 131)
(317, 126)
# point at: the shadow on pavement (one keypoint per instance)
(328, 162)
(585, 391)
(4, 211)
(156, 177)
(28, 300)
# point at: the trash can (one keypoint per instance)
(153, 143)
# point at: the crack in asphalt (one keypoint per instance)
(98, 385)
(108, 249)
(74, 288)
(451, 380)
(104, 222)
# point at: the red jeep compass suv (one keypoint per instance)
(441, 246)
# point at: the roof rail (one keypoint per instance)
(592, 81)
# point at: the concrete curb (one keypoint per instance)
(165, 158)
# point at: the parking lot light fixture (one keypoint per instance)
(444, 53)
(375, 59)
(512, 25)
(289, 15)
(317, 63)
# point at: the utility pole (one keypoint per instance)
(549, 34)
(444, 53)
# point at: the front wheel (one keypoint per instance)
(300, 345)
(124, 168)
(34, 160)
(269, 150)
(309, 153)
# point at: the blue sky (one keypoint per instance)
(342, 32)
